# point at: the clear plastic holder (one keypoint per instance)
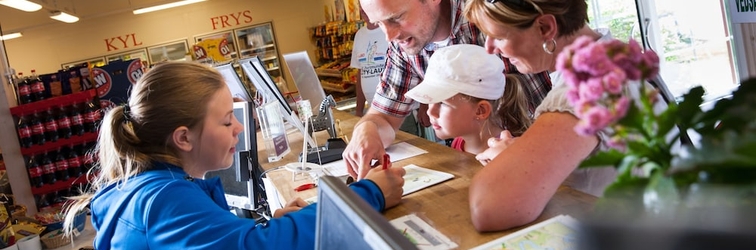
(273, 131)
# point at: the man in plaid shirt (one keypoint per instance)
(415, 28)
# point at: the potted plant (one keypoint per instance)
(604, 79)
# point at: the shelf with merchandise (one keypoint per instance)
(53, 144)
(334, 39)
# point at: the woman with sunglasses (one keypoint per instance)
(522, 175)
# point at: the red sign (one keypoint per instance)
(199, 52)
(102, 80)
(233, 19)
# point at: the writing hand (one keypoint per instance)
(292, 206)
(360, 151)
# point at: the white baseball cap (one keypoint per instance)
(461, 68)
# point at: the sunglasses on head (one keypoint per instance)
(524, 4)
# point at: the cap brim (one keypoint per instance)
(429, 93)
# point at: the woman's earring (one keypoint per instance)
(546, 46)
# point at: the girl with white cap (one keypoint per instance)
(470, 98)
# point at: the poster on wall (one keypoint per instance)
(352, 8)
(216, 49)
(743, 11)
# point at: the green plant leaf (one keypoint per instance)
(603, 159)
(729, 159)
(633, 119)
(690, 108)
(667, 120)
(627, 189)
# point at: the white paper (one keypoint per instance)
(272, 193)
(397, 152)
(556, 233)
(418, 178)
(421, 233)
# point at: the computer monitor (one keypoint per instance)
(262, 81)
(260, 78)
(241, 183)
(345, 221)
(305, 78)
(237, 87)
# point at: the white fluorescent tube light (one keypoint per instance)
(165, 6)
(63, 17)
(10, 36)
(21, 5)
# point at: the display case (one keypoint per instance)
(171, 51)
(259, 40)
(94, 62)
(129, 55)
(231, 42)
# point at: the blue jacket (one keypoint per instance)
(163, 209)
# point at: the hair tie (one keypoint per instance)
(126, 112)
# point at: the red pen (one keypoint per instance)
(306, 186)
(386, 160)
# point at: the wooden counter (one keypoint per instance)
(444, 206)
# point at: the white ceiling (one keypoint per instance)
(13, 20)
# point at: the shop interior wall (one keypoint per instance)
(46, 48)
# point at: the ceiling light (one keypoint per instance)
(63, 17)
(165, 6)
(21, 5)
(10, 36)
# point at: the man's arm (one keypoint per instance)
(372, 134)
(360, 109)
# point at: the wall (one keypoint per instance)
(46, 48)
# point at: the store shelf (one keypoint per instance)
(269, 58)
(273, 69)
(62, 142)
(337, 87)
(40, 106)
(328, 72)
(263, 47)
(59, 185)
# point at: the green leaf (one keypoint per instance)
(667, 120)
(625, 168)
(627, 189)
(690, 107)
(633, 119)
(603, 159)
(729, 159)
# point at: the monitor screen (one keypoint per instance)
(345, 221)
(255, 78)
(262, 79)
(237, 87)
(238, 186)
(305, 78)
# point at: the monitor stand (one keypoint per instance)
(331, 152)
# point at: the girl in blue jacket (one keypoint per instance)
(153, 152)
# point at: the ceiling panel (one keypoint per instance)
(13, 20)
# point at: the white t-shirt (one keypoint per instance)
(369, 55)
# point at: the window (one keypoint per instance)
(692, 40)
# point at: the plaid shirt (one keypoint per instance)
(404, 71)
